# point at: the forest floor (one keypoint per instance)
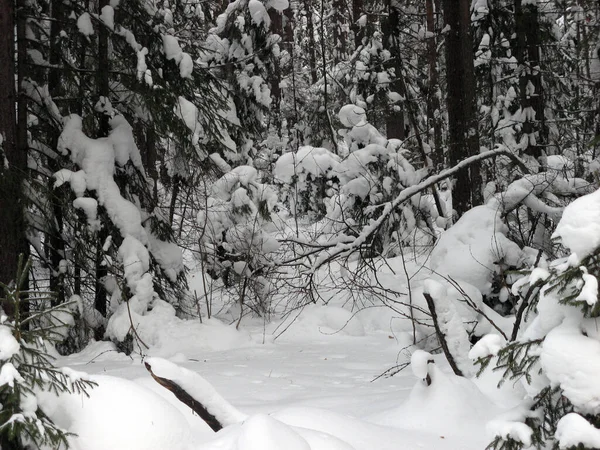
(311, 377)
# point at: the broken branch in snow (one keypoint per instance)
(187, 399)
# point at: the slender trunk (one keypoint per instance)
(530, 80)
(310, 31)
(463, 136)
(434, 114)
(275, 75)
(358, 10)
(339, 31)
(12, 159)
(103, 130)
(56, 243)
(394, 117)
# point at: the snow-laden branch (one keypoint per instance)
(344, 248)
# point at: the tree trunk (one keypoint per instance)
(103, 130)
(434, 114)
(463, 136)
(13, 156)
(394, 117)
(55, 242)
(339, 31)
(358, 10)
(310, 31)
(530, 80)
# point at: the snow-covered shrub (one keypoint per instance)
(375, 171)
(26, 368)
(237, 245)
(555, 354)
(131, 250)
(307, 178)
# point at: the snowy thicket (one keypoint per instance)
(204, 186)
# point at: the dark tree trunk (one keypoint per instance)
(13, 156)
(275, 75)
(463, 136)
(55, 241)
(434, 113)
(358, 10)
(394, 114)
(103, 130)
(528, 56)
(339, 31)
(310, 31)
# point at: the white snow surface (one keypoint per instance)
(311, 388)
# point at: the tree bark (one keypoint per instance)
(310, 31)
(463, 136)
(434, 114)
(358, 10)
(528, 57)
(187, 399)
(13, 156)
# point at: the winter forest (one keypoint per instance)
(299, 224)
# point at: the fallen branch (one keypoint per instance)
(187, 399)
(441, 336)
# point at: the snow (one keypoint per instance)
(419, 362)
(572, 360)
(259, 14)
(490, 344)
(573, 430)
(199, 389)
(278, 5)
(9, 346)
(471, 249)
(84, 24)
(589, 291)
(579, 228)
(107, 16)
(352, 115)
(310, 388)
(9, 374)
(142, 420)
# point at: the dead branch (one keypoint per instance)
(187, 399)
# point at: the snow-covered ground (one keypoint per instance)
(312, 388)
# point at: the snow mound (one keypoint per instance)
(573, 430)
(579, 227)
(451, 405)
(471, 248)
(118, 414)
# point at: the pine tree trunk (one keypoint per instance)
(103, 130)
(434, 113)
(358, 10)
(339, 31)
(394, 117)
(463, 136)
(310, 31)
(13, 156)
(55, 242)
(528, 57)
